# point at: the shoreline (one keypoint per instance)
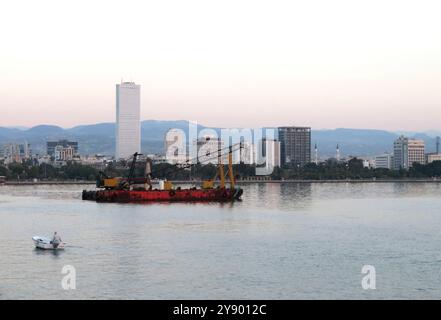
(239, 182)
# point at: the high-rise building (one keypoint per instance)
(295, 145)
(128, 113)
(15, 152)
(52, 145)
(407, 152)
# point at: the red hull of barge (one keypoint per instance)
(185, 195)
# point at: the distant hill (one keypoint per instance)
(100, 138)
(362, 142)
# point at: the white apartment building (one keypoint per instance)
(128, 125)
(64, 153)
(208, 150)
(385, 161)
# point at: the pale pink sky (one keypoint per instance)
(234, 63)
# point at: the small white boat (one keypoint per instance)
(46, 243)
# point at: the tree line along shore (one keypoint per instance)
(351, 170)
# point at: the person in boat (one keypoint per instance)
(56, 240)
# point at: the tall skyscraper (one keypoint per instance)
(408, 151)
(128, 126)
(295, 145)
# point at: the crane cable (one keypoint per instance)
(188, 165)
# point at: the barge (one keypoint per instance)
(131, 189)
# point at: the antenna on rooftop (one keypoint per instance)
(437, 144)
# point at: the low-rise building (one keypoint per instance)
(96, 161)
(157, 158)
(384, 161)
(368, 163)
(431, 157)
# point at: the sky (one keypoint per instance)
(325, 64)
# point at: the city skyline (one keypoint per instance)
(235, 64)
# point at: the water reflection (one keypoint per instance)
(53, 253)
(414, 189)
(243, 250)
(285, 196)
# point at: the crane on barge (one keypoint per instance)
(118, 189)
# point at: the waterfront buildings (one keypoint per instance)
(64, 153)
(157, 158)
(430, 157)
(15, 152)
(408, 151)
(61, 151)
(368, 163)
(51, 146)
(384, 161)
(295, 145)
(128, 125)
(270, 153)
(97, 161)
(246, 154)
(207, 149)
(436, 156)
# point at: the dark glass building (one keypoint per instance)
(295, 145)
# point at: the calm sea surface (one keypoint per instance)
(283, 241)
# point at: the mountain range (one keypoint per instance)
(100, 138)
